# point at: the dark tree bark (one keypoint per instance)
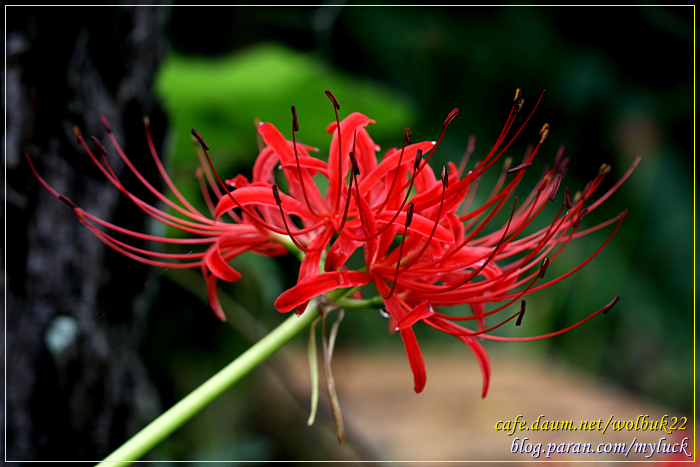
(75, 311)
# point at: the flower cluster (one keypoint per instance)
(423, 242)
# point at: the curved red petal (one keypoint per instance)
(317, 285)
(218, 266)
(415, 359)
(422, 311)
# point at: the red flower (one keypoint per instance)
(443, 258)
(441, 253)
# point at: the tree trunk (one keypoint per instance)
(75, 310)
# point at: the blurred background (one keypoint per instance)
(619, 83)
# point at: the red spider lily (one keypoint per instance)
(443, 258)
(441, 253)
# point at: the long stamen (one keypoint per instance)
(295, 128)
(603, 310)
(445, 177)
(406, 140)
(409, 218)
(336, 108)
(471, 145)
(451, 116)
(505, 305)
(478, 270)
(416, 168)
(353, 179)
(254, 217)
(347, 200)
(278, 200)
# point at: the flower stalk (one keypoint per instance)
(163, 426)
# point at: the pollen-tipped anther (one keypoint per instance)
(604, 169)
(276, 194)
(418, 159)
(451, 116)
(333, 99)
(611, 304)
(543, 267)
(519, 105)
(544, 132)
(409, 214)
(520, 167)
(196, 134)
(517, 95)
(519, 321)
(407, 134)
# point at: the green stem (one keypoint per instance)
(176, 416)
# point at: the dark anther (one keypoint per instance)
(407, 134)
(196, 134)
(355, 166)
(555, 187)
(611, 304)
(276, 194)
(106, 124)
(99, 145)
(409, 214)
(543, 267)
(445, 176)
(419, 158)
(521, 314)
(451, 116)
(567, 198)
(333, 99)
(295, 122)
(520, 167)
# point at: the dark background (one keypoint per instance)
(619, 82)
